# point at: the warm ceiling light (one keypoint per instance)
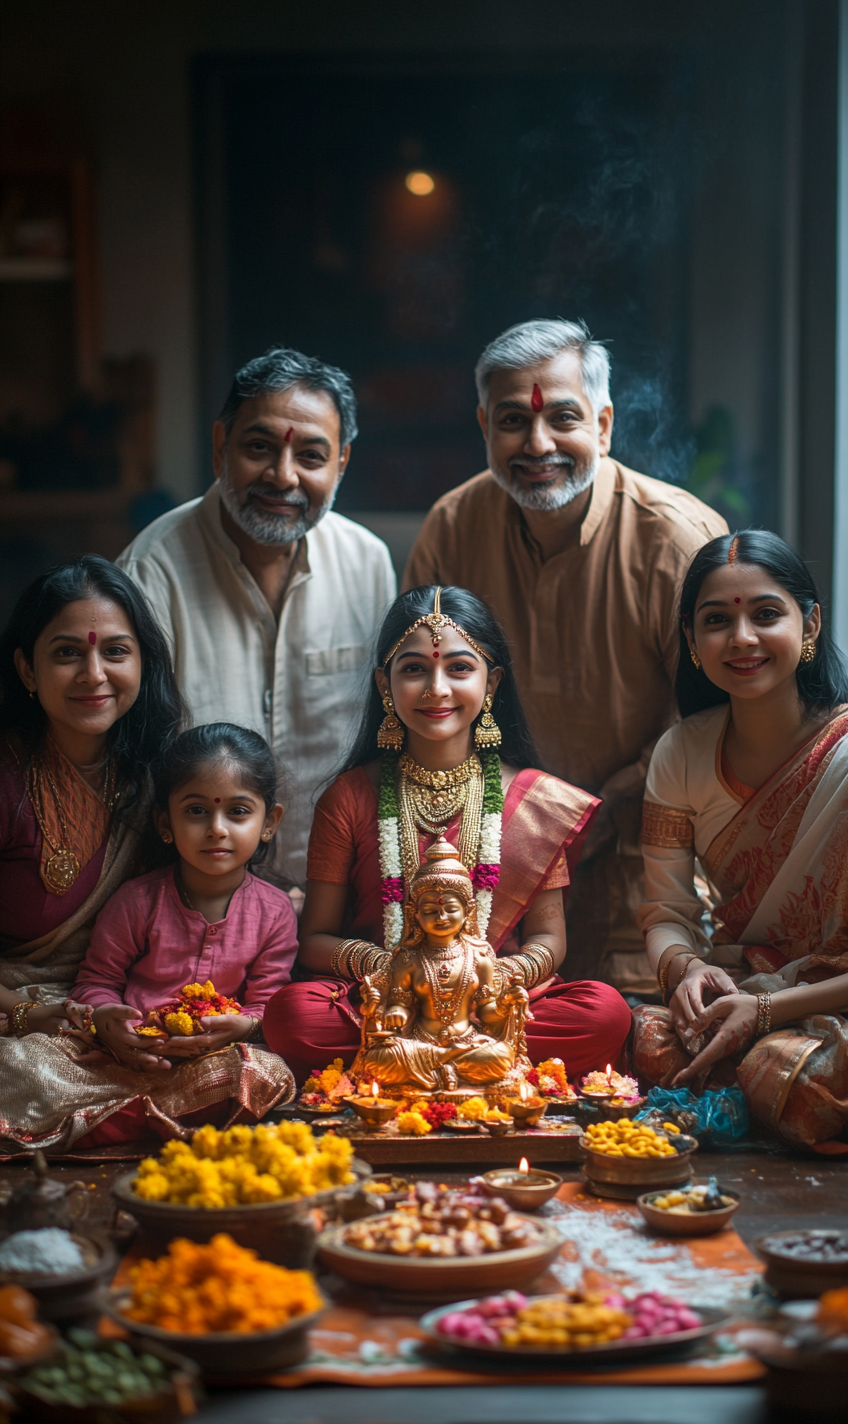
(421, 184)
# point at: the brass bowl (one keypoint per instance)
(70, 1298)
(526, 1114)
(223, 1354)
(280, 1231)
(608, 1113)
(796, 1279)
(627, 1178)
(442, 1278)
(499, 1126)
(695, 1223)
(373, 1112)
(522, 1196)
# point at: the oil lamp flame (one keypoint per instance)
(375, 1090)
(524, 1165)
(609, 1073)
(523, 1092)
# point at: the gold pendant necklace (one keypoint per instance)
(430, 800)
(62, 868)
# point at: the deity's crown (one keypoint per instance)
(442, 869)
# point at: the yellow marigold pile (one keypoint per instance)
(413, 1122)
(474, 1108)
(180, 1017)
(244, 1165)
(325, 1081)
(220, 1286)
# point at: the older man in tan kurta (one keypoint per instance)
(586, 587)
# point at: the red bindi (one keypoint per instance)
(737, 600)
(217, 800)
(537, 401)
(92, 638)
(289, 434)
(435, 655)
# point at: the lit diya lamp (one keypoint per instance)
(522, 1189)
(528, 1108)
(374, 1110)
(609, 1084)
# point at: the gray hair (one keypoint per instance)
(280, 368)
(530, 342)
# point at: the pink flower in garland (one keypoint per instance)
(485, 877)
(392, 891)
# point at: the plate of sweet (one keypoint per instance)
(575, 1326)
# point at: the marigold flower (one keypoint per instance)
(414, 1123)
(474, 1108)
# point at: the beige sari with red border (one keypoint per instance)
(780, 866)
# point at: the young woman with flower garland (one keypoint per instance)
(444, 698)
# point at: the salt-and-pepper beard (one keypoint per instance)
(274, 530)
(543, 497)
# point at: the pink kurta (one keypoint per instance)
(146, 945)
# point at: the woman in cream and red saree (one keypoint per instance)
(754, 783)
(444, 696)
(87, 702)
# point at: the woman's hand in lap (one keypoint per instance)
(687, 1003)
(112, 1022)
(219, 1030)
(734, 1019)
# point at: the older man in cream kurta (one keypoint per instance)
(586, 589)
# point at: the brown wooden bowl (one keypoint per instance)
(69, 1298)
(280, 1231)
(223, 1354)
(795, 1279)
(424, 1279)
(609, 1113)
(696, 1223)
(627, 1178)
(177, 1400)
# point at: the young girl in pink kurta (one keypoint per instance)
(204, 917)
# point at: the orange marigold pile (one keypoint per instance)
(196, 1289)
(181, 1017)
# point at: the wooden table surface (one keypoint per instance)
(778, 1191)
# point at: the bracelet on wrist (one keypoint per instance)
(763, 1014)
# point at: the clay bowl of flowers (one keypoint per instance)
(69, 1297)
(281, 1230)
(225, 1355)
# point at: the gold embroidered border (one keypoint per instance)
(662, 826)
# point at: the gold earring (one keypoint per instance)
(167, 837)
(487, 733)
(266, 835)
(390, 732)
(808, 651)
(694, 656)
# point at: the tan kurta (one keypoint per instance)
(593, 635)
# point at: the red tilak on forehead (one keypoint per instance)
(537, 400)
(737, 600)
(289, 434)
(217, 800)
(92, 638)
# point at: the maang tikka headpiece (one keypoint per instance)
(437, 622)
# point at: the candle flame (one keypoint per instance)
(609, 1072)
(524, 1165)
(375, 1090)
(523, 1092)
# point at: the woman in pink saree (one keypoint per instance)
(754, 783)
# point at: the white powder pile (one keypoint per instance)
(618, 1246)
(49, 1252)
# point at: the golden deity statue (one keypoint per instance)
(444, 1015)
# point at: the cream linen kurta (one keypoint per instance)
(299, 683)
(593, 636)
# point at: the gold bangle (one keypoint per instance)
(543, 956)
(763, 1014)
(663, 977)
(20, 1017)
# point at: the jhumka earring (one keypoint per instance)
(487, 733)
(167, 837)
(694, 656)
(808, 651)
(390, 731)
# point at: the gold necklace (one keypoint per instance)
(62, 867)
(430, 800)
(446, 1000)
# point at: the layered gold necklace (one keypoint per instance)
(430, 800)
